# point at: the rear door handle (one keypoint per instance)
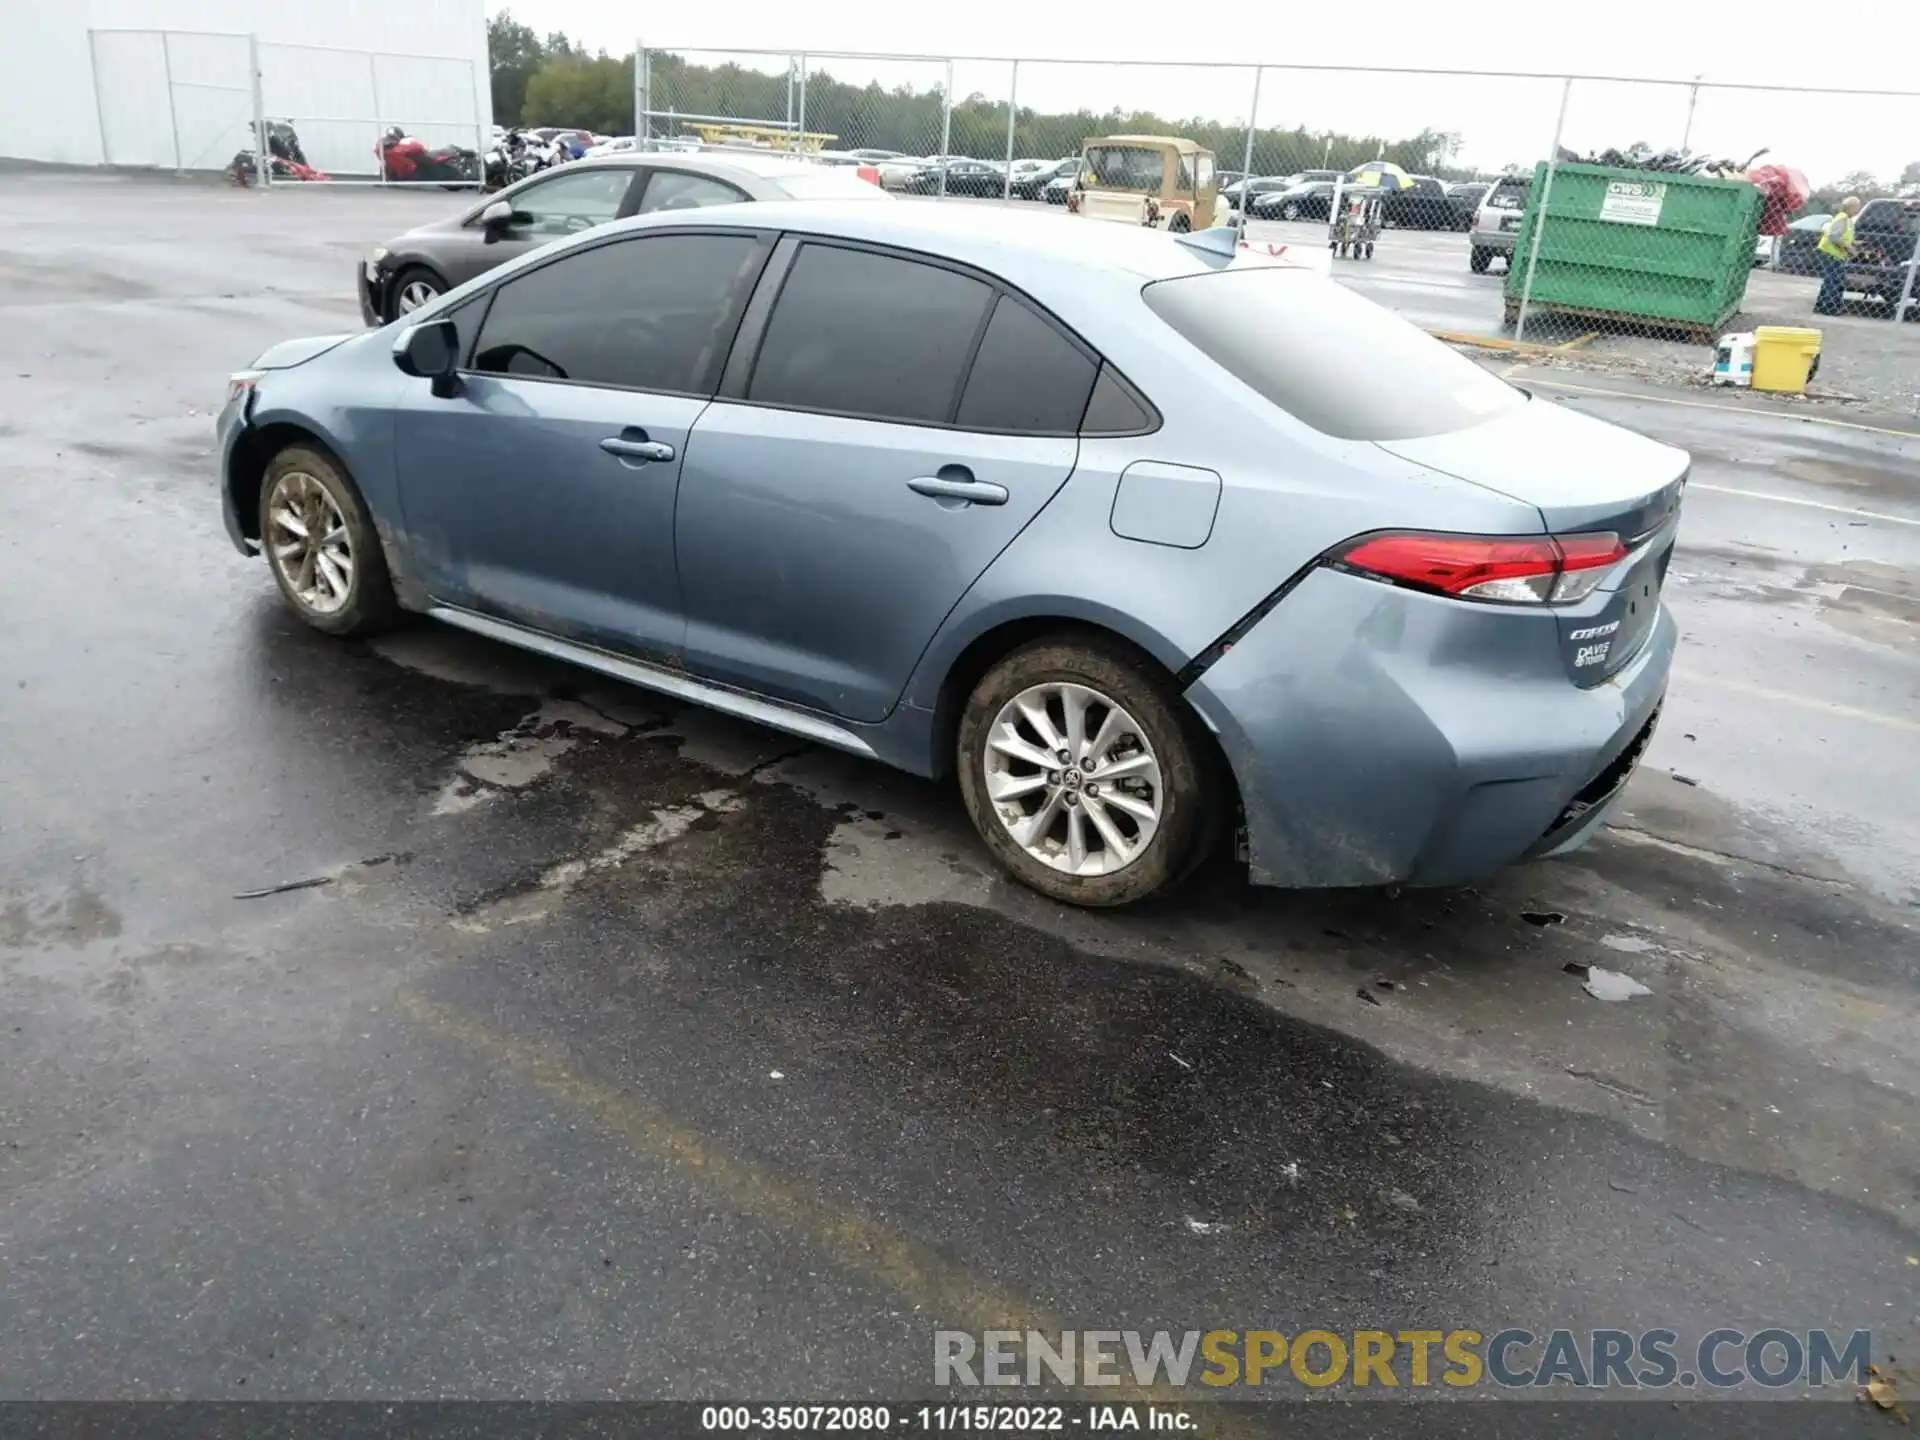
(942, 487)
(642, 450)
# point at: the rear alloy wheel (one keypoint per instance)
(1083, 775)
(413, 289)
(321, 545)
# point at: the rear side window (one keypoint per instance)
(648, 314)
(1330, 358)
(677, 190)
(1113, 410)
(857, 333)
(1028, 378)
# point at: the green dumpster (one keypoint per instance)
(1637, 247)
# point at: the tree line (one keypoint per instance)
(554, 81)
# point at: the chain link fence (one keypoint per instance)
(1457, 199)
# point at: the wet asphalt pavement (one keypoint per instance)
(631, 1052)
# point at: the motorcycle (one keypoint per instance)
(285, 159)
(404, 158)
(515, 156)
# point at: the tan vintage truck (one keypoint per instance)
(1157, 180)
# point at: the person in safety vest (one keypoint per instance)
(1836, 244)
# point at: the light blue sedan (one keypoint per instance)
(1141, 537)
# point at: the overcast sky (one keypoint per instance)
(1860, 45)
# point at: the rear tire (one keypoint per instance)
(1114, 841)
(1478, 259)
(321, 546)
(1180, 224)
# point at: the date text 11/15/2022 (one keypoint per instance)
(938, 1419)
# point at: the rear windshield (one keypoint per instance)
(1328, 357)
(1125, 167)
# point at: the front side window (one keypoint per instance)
(568, 203)
(1203, 170)
(855, 333)
(651, 313)
(677, 190)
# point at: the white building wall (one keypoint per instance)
(49, 108)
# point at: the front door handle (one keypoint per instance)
(952, 487)
(641, 450)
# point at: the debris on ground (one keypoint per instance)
(1183, 1064)
(1623, 1187)
(309, 884)
(1604, 984)
(1385, 985)
(1684, 779)
(1576, 967)
(1291, 1170)
(1543, 917)
(1880, 1391)
(1367, 995)
(1401, 1200)
(776, 1074)
(1207, 1227)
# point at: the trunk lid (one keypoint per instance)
(1581, 474)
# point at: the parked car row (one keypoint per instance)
(414, 268)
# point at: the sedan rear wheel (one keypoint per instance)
(1083, 775)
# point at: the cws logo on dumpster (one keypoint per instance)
(1633, 202)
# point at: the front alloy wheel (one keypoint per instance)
(308, 541)
(414, 293)
(321, 545)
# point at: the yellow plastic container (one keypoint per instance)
(1784, 357)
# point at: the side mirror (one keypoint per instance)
(496, 217)
(431, 351)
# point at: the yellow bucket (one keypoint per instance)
(1784, 357)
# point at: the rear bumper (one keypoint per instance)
(1499, 241)
(1382, 736)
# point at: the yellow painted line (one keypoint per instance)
(1494, 342)
(1806, 702)
(1727, 409)
(948, 1294)
(1768, 495)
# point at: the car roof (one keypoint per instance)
(1177, 142)
(995, 238)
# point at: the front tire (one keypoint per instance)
(1478, 259)
(1132, 810)
(1290, 211)
(321, 546)
(412, 288)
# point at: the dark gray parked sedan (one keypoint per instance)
(411, 269)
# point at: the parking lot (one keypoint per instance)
(627, 1051)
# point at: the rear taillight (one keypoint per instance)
(1508, 569)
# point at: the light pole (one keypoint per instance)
(1693, 99)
